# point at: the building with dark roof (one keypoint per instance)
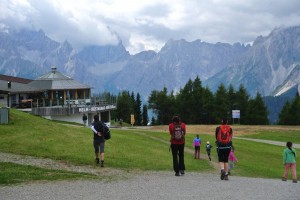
(60, 89)
(14, 90)
(53, 95)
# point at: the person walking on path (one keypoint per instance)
(196, 145)
(231, 159)
(84, 119)
(99, 141)
(177, 131)
(289, 162)
(208, 149)
(224, 141)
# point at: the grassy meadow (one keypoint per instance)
(131, 149)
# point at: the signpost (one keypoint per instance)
(236, 115)
(132, 120)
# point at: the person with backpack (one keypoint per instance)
(289, 162)
(224, 141)
(177, 131)
(208, 149)
(99, 141)
(196, 145)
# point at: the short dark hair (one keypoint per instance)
(289, 144)
(96, 118)
(176, 118)
(224, 121)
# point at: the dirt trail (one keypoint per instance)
(59, 165)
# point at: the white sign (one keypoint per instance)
(93, 109)
(236, 114)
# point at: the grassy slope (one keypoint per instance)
(35, 136)
(129, 149)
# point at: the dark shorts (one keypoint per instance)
(197, 148)
(223, 154)
(98, 146)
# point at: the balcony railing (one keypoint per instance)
(69, 107)
(68, 110)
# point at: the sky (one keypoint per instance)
(149, 24)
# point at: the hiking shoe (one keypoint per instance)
(294, 181)
(283, 179)
(97, 160)
(177, 174)
(222, 175)
(229, 173)
(102, 163)
(182, 172)
(226, 177)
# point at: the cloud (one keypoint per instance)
(148, 24)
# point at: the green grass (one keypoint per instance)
(130, 149)
(293, 136)
(11, 173)
(258, 159)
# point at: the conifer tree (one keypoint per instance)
(145, 115)
(290, 113)
(257, 113)
(284, 114)
(137, 110)
(208, 107)
(184, 101)
(221, 104)
(124, 106)
(161, 104)
(242, 99)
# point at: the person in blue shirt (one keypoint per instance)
(196, 145)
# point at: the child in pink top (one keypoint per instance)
(231, 159)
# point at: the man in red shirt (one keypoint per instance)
(177, 131)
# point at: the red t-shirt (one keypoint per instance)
(171, 130)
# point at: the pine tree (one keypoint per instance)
(208, 107)
(185, 101)
(221, 104)
(145, 115)
(242, 99)
(290, 113)
(257, 113)
(137, 110)
(124, 106)
(162, 105)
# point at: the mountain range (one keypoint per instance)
(270, 66)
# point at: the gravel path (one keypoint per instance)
(297, 146)
(144, 185)
(157, 185)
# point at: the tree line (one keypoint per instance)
(199, 105)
